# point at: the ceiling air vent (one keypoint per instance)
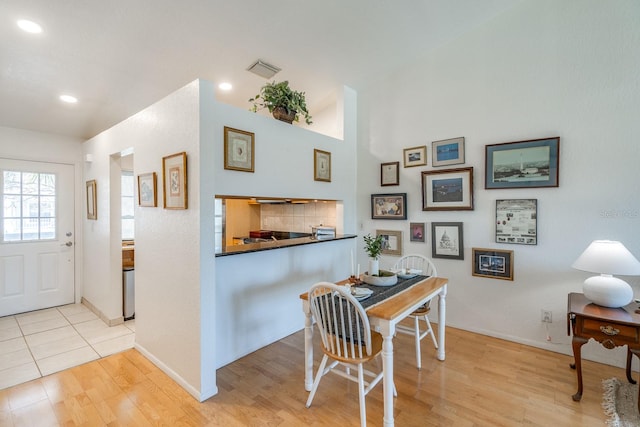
(263, 69)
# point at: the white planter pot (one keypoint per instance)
(374, 267)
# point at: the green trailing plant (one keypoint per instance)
(273, 95)
(373, 246)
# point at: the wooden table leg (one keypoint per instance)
(630, 354)
(629, 359)
(577, 344)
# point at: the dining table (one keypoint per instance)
(384, 314)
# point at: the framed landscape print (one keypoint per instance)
(390, 173)
(147, 186)
(415, 156)
(174, 181)
(447, 190)
(239, 147)
(447, 152)
(92, 202)
(492, 263)
(522, 164)
(416, 232)
(389, 206)
(391, 242)
(446, 240)
(321, 165)
(517, 221)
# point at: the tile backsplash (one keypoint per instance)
(297, 217)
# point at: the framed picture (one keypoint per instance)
(447, 190)
(92, 202)
(446, 240)
(415, 156)
(147, 186)
(391, 242)
(174, 181)
(492, 263)
(447, 152)
(516, 221)
(523, 164)
(321, 165)
(416, 231)
(239, 147)
(390, 173)
(389, 206)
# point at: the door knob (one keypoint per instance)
(68, 244)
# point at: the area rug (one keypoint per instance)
(620, 403)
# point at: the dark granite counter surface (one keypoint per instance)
(278, 244)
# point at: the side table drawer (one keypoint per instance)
(614, 331)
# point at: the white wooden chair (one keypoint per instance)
(346, 339)
(418, 262)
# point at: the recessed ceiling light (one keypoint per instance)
(29, 26)
(68, 99)
(225, 86)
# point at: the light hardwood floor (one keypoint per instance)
(483, 382)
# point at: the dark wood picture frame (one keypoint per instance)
(492, 263)
(389, 206)
(389, 173)
(523, 164)
(447, 190)
(417, 232)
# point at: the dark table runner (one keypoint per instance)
(381, 293)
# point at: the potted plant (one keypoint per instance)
(373, 248)
(282, 102)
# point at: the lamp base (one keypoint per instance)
(608, 291)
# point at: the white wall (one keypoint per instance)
(168, 262)
(257, 300)
(21, 144)
(544, 68)
(176, 274)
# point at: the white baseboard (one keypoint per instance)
(101, 315)
(199, 396)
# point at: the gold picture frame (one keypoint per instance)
(321, 165)
(174, 181)
(92, 202)
(415, 156)
(492, 263)
(239, 146)
(147, 190)
(391, 242)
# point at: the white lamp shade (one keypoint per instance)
(607, 257)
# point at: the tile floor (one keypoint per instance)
(42, 342)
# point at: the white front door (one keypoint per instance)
(37, 241)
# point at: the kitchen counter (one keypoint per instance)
(278, 244)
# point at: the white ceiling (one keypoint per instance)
(119, 56)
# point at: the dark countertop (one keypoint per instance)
(286, 243)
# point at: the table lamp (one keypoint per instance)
(607, 257)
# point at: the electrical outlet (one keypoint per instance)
(546, 316)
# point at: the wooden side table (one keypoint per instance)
(611, 327)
